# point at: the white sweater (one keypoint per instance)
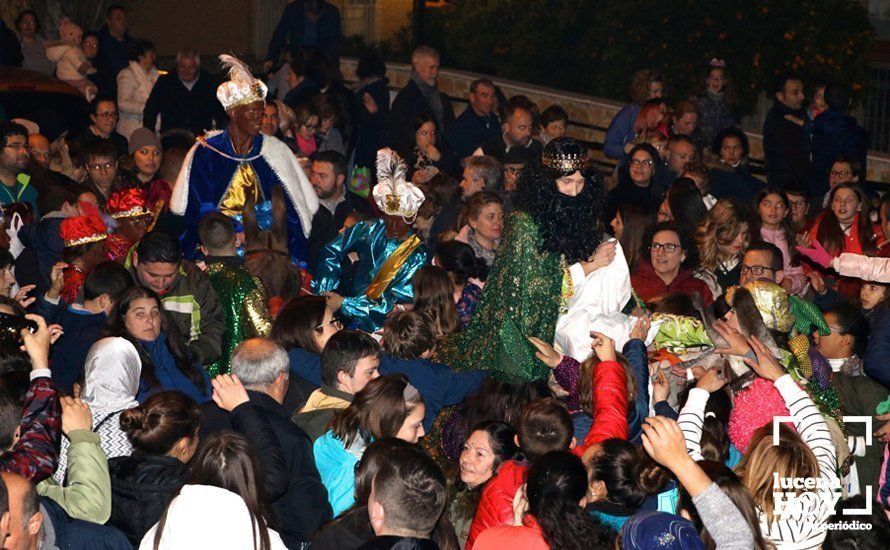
(793, 531)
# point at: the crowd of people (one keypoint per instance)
(285, 311)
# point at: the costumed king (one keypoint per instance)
(226, 167)
(550, 247)
(389, 252)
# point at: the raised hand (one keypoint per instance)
(546, 353)
(56, 280)
(711, 380)
(766, 365)
(228, 392)
(22, 296)
(737, 343)
(661, 388)
(76, 415)
(603, 347)
(37, 344)
(641, 328)
(816, 253)
(663, 440)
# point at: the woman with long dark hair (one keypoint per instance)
(223, 504)
(629, 226)
(303, 327)
(166, 362)
(773, 225)
(557, 493)
(164, 433)
(845, 226)
(434, 296)
(683, 203)
(388, 407)
(463, 267)
(638, 180)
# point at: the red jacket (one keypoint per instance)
(649, 286)
(527, 536)
(609, 420)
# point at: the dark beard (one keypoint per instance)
(569, 225)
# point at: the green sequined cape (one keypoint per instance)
(243, 302)
(522, 297)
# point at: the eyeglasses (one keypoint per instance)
(18, 146)
(638, 162)
(112, 114)
(798, 203)
(103, 166)
(756, 270)
(839, 173)
(337, 323)
(670, 248)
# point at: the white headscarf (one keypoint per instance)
(111, 376)
(193, 521)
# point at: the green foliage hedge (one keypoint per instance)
(593, 46)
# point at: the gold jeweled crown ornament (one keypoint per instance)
(394, 194)
(772, 302)
(241, 88)
(565, 155)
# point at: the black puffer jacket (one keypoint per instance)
(141, 487)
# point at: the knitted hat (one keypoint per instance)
(79, 230)
(142, 137)
(128, 203)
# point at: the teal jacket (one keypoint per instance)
(22, 191)
(336, 465)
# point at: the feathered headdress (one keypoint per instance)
(88, 228)
(394, 194)
(241, 88)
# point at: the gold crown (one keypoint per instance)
(565, 163)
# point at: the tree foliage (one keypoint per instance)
(593, 46)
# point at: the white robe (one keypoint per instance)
(596, 305)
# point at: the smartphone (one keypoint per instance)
(11, 328)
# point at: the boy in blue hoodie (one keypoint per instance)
(409, 341)
(81, 324)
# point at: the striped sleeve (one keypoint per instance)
(691, 420)
(810, 425)
(805, 525)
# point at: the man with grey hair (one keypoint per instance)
(481, 173)
(420, 95)
(185, 98)
(249, 401)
